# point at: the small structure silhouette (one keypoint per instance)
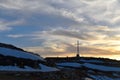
(78, 50)
(64, 59)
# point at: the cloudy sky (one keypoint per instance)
(52, 27)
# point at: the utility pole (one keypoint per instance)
(78, 50)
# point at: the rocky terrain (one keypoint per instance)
(87, 68)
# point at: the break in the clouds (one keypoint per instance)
(51, 27)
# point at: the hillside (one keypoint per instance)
(86, 68)
(16, 59)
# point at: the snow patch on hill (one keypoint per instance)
(19, 54)
(101, 68)
(98, 77)
(89, 65)
(43, 68)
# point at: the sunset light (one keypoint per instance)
(51, 28)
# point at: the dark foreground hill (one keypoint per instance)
(17, 60)
(86, 68)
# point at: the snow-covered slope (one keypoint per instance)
(89, 68)
(16, 59)
(19, 54)
(101, 67)
(43, 68)
(89, 65)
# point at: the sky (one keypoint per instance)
(52, 27)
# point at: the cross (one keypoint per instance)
(78, 50)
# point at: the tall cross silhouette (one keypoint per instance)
(78, 50)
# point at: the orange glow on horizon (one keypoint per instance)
(116, 57)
